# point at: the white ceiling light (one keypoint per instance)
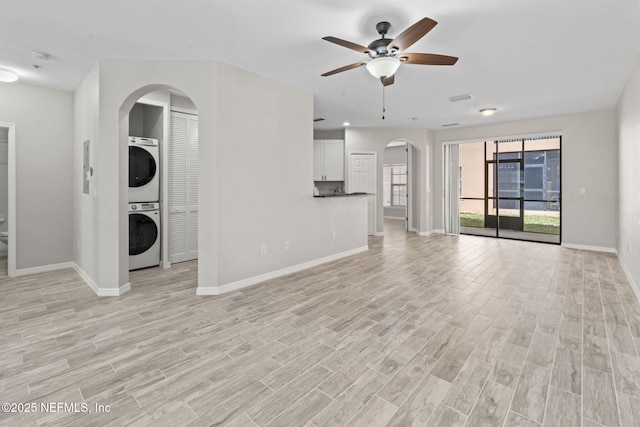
(346, 124)
(488, 111)
(7, 76)
(383, 67)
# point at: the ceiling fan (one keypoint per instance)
(387, 54)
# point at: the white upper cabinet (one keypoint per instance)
(328, 160)
(318, 160)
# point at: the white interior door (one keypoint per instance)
(362, 173)
(363, 179)
(183, 188)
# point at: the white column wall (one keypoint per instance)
(265, 131)
(121, 84)
(629, 178)
(86, 118)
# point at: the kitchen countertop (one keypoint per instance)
(340, 195)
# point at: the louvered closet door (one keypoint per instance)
(192, 196)
(183, 188)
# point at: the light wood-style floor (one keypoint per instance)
(435, 331)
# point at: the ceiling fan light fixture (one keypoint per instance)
(383, 67)
(7, 76)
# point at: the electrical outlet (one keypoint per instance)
(333, 235)
(263, 250)
(286, 245)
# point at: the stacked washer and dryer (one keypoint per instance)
(144, 203)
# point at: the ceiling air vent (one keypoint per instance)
(449, 125)
(319, 119)
(462, 97)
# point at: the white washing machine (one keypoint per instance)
(144, 235)
(144, 170)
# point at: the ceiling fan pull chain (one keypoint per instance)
(383, 109)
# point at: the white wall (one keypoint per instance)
(629, 177)
(256, 174)
(376, 140)
(589, 161)
(4, 184)
(395, 155)
(182, 102)
(328, 134)
(265, 132)
(44, 136)
(85, 206)
(415, 188)
(119, 85)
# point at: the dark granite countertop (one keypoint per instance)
(341, 195)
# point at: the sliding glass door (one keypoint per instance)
(511, 188)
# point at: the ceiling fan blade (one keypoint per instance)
(348, 44)
(427, 59)
(345, 68)
(389, 80)
(412, 34)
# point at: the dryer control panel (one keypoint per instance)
(141, 207)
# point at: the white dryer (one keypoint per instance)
(144, 170)
(144, 235)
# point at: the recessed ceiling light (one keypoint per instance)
(488, 111)
(7, 76)
(346, 124)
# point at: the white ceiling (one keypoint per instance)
(526, 58)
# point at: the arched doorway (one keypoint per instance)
(399, 167)
(160, 127)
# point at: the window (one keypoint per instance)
(511, 188)
(395, 185)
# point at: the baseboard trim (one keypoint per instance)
(108, 292)
(590, 248)
(44, 268)
(627, 273)
(234, 286)
(101, 292)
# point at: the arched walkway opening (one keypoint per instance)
(159, 132)
(400, 168)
